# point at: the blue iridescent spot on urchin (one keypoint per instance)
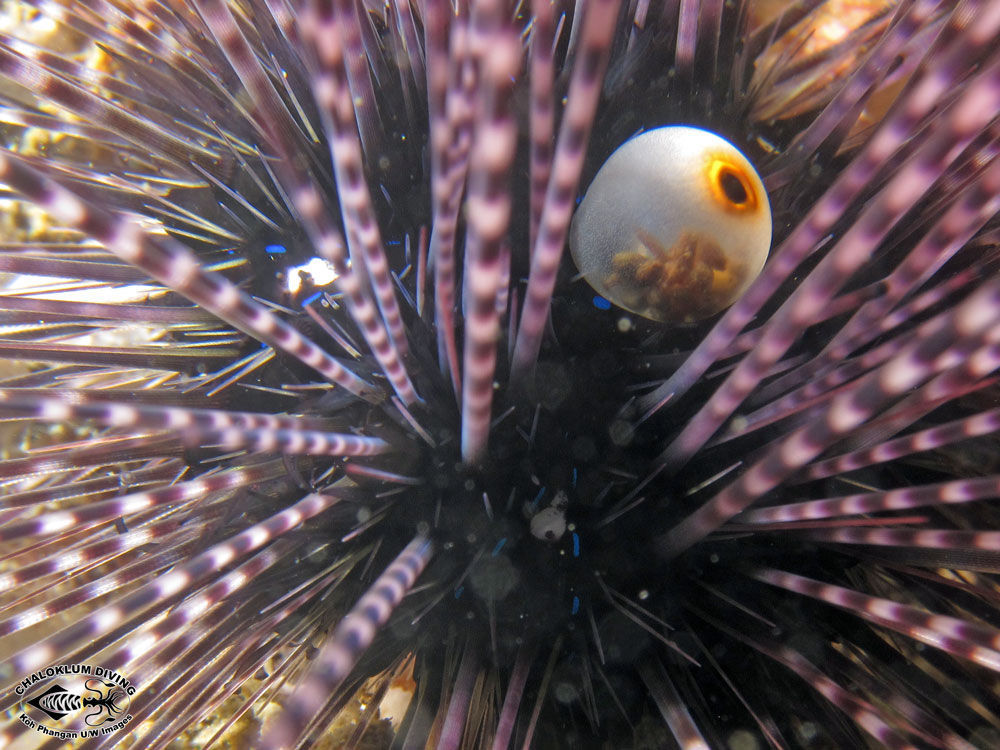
(600, 303)
(576, 544)
(275, 249)
(311, 298)
(500, 544)
(576, 604)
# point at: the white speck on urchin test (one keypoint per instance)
(549, 524)
(320, 270)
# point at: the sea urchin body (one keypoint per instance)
(314, 436)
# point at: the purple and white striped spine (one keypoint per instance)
(968, 324)
(177, 268)
(905, 498)
(282, 132)
(951, 63)
(543, 116)
(56, 522)
(181, 578)
(935, 437)
(496, 50)
(257, 433)
(672, 707)
(601, 18)
(969, 640)
(965, 118)
(348, 642)
(332, 92)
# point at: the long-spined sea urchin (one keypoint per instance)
(451, 474)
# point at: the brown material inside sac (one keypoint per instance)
(688, 281)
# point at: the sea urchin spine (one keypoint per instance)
(508, 512)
